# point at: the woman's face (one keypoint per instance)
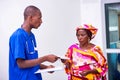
(82, 36)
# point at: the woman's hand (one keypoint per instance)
(86, 72)
(66, 62)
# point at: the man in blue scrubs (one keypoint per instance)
(23, 54)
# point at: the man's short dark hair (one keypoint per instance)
(31, 11)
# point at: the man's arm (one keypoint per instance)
(22, 63)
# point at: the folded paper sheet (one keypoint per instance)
(50, 69)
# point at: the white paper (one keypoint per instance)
(50, 69)
(62, 57)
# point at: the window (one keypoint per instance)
(112, 13)
(112, 20)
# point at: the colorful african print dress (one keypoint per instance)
(82, 60)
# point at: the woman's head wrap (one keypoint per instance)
(89, 27)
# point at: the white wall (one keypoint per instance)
(60, 18)
(91, 14)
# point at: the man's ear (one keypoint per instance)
(30, 18)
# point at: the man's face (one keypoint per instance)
(36, 20)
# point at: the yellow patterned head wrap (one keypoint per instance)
(89, 27)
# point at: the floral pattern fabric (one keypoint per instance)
(81, 60)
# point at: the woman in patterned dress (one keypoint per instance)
(85, 60)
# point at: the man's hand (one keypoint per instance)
(51, 58)
(50, 66)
